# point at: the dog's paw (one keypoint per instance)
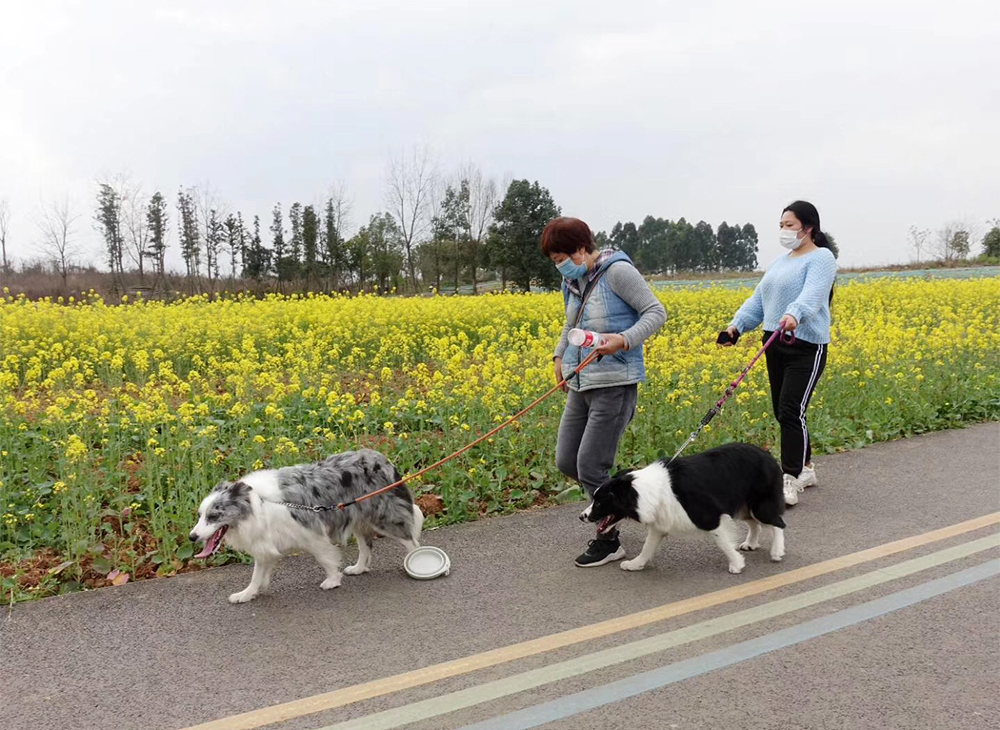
(737, 567)
(242, 597)
(330, 583)
(634, 564)
(746, 546)
(355, 569)
(776, 557)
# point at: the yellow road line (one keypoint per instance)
(444, 704)
(406, 680)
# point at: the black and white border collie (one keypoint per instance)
(704, 492)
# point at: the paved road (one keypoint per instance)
(885, 614)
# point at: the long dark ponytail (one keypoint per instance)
(809, 218)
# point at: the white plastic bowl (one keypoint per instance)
(427, 562)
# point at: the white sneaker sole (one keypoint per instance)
(791, 498)
(616, 555)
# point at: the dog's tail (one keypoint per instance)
(418, 523)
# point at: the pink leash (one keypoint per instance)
(787, 337)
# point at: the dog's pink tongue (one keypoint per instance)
(212, 544)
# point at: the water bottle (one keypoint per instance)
(586, 338)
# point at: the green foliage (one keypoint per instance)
(515, 241)
(991, 243)
(189, 234)
(156, 219)
(662, 246)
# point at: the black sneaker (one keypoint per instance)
(600, 552)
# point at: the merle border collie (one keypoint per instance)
(703, 492)
(247, 516)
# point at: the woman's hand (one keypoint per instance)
(731, 331)
(559, 377)
(787, 323)
(612, 344)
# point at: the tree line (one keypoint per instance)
(432, 235)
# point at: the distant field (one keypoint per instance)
(844, 276)
(751, 280)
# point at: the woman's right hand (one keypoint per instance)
(731, 331)
(559, 376)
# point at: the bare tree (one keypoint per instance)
(333, 235)
(136, 233)
(482, 199)
(212, 214)
(954, 239)
(408, 191)
(4, 227)
(918, 239)
(55, 223)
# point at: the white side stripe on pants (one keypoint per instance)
(805, 401)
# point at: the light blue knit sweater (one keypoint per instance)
(798, 286)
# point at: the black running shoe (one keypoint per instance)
(600, 552)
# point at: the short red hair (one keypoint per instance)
(567, 236)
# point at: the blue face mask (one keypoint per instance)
(571, 270)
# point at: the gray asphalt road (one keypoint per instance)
(173, 653)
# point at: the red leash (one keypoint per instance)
(787, 337)
(576, 371)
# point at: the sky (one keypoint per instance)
(885, 115)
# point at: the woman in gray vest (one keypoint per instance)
(601, 399)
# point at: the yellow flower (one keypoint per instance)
(75, 448)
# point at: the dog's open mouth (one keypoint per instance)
(213, 543)
(606, 524)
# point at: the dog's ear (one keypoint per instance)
(236, 489)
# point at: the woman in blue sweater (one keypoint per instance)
(794, 295)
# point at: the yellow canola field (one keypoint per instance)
(116, 420)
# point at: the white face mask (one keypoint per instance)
(790, 239)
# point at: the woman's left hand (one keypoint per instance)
(613, 344)
(787, 323)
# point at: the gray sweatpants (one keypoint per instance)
(589, 431)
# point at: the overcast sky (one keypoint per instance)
(883, 114)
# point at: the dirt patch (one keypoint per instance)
(32, 571)
(430, 504)
(131, 466)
